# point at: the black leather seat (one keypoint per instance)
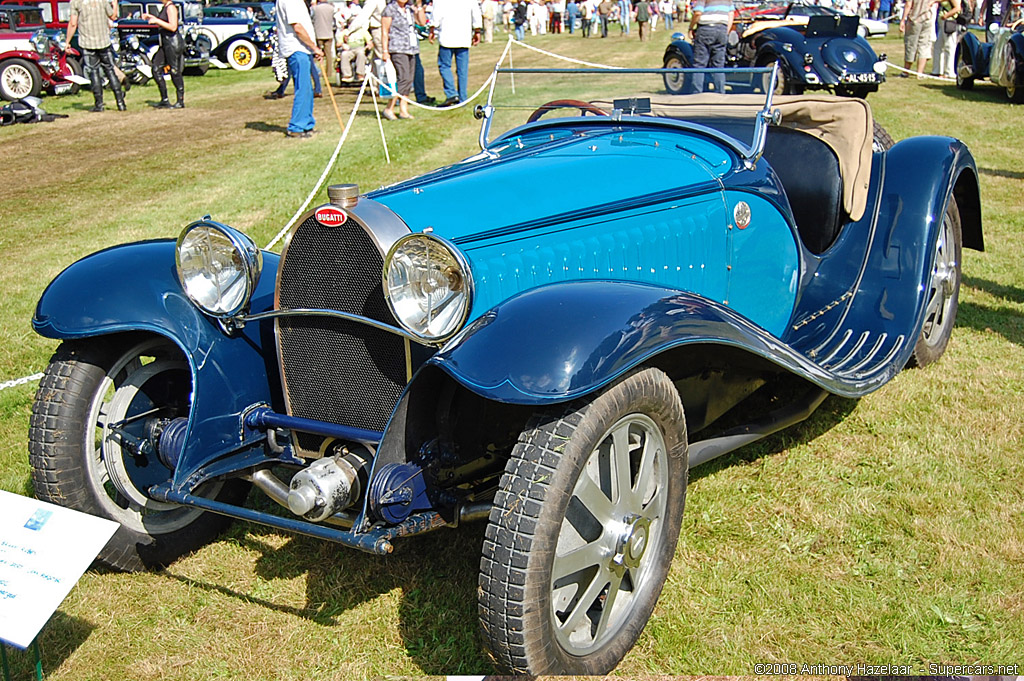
(809, 172)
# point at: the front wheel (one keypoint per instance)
(242, 55)
(1014, 77)
(19, 78)
(95, 396)
(583, 529)
(942, 293)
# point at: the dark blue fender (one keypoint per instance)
(679, 48)
(103, 294)
(975, 54)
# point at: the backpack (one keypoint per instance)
(26, 110)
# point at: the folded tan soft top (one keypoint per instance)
(843, 123)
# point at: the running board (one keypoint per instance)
(703, 451)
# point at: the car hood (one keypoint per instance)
(547, 175)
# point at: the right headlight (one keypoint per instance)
(218, 267)
(428, 286)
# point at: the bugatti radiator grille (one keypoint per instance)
(332, 369)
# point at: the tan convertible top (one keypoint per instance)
(843, 123)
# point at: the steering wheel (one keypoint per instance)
(566, 104)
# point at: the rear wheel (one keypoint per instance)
(964, 70)
(881, 140)
(942, 292)
(1014, 77)
(583, 529)
(76, 69)
(96, 395)
(19, 78)
(785, 84)
(675, 83)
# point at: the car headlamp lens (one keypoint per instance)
(218, 267)
(428, 286)
(133, 42)
(40, 43)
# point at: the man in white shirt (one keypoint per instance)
(296, 44)
(457, 24)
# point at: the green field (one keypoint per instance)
(883, 530)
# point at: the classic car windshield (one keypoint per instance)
(521, 95)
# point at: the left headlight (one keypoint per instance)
(40, 43)
(218, 267)
(428, 286)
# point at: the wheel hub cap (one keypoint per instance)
(634, 542)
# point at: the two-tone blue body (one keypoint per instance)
(595, 246)
(1001, 61)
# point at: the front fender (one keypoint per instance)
(561, 341)
(975, 54)
(134, 288)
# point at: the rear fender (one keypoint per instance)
(679, 48)
(134, 288)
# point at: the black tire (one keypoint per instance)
(942, 292)
(19, 78)
(1014, 76)
(552, 569)
(78, 463)
(786, 84)
(76, 69)
(675, 84)
(242, 55)
(964, 80)
(881, 140)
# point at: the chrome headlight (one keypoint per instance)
(218, 267)
(133, 42)
(40, 43)
(428, 286)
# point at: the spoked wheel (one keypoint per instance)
(964, 71)
(19, 78)
(96, 398)
(942, 294)
(1014, 77)
(675, 83)
(584, 107)
(242, 55)
(784, 84)
(583, 529)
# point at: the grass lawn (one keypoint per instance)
(884, 530)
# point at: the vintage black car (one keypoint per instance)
(814, 53)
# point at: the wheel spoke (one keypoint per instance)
(614, 588)
(645, 475)
(622, 483)
(578, 559)
(590, 594)
(594, 499)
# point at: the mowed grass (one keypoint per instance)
(884, 530)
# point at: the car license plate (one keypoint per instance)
(61, 88)
(859, 78)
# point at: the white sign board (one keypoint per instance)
(44, 549)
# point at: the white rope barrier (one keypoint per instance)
(558, 56)
(380, 123)
(327, 170)
(922, 75)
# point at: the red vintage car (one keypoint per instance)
(32, 60)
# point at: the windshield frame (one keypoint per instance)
(750, 153)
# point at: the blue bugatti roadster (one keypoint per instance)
(685, 275)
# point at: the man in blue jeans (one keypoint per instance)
(458, 24)
(296, 43)
(709, 33)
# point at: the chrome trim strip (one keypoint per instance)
(314, 312)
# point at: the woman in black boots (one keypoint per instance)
(170, 58)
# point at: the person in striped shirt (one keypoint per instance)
(709, 32)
